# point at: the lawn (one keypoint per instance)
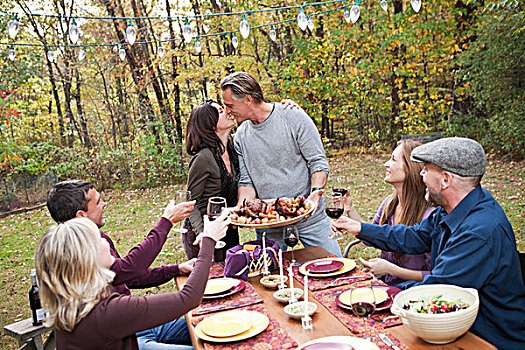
(130, 214)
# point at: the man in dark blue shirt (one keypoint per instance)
(471, 241)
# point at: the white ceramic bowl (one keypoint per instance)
(438, 328)
(296, 310)
(283, 298)
(272, 281)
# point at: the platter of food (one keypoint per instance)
(269, 213)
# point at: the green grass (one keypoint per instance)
(131, 214)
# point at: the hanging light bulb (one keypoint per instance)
(346, 15)
(51, 55)
(160, 50)
(416, 5)
(12, 53)
(302, 21)
(187, 33)
(244, 27)
(74, 33)
(355, 12)
(235, 41)
(198, 46)
(310, 23)
(273, 33)
(13, 26)
(82, 54)
(131, 33)
(122, 53)
(384, 5)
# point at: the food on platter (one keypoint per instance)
(260, 212)
(434, 305)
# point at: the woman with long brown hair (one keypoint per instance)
(406, 205)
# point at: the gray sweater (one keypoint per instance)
(278, 156)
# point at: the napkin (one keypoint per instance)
(274, 337)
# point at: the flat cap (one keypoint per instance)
(459, 155)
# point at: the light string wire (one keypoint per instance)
(181, 39)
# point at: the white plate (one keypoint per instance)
(356, 343)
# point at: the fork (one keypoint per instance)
(347, 278)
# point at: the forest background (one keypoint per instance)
(456, 67)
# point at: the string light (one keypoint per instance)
(416, 5)
(310, 23)
(346, 15)
(51, 55)
(160, 50)
(384, 5)
(187, 32)
(131, 33)
(122, 53)
(235, 41)
(198, 46)
(74, 33)
(82, 54)
(12, 53)
(355, 12)
(244, 27)
(302, 21)
(273, 33)
(13, 26)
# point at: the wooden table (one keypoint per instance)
(326, 324)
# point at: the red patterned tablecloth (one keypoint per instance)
(274, 337)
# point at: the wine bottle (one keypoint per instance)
(34, 301)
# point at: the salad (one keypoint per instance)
(434, 305)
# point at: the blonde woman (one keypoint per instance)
(72, 262)
(406, 205)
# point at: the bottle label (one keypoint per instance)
(40, 314)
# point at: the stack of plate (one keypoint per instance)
(230, 326)
(383, 297)
(217, 288)
(327, 267)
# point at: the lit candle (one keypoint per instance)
(281, 275)
(305, 296)
(264, 254)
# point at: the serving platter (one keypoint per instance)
(349, 265)
(281, 223)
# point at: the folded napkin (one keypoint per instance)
(320, 283)
(274, 337)
(246, 297)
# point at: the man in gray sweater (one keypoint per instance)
(280, 155)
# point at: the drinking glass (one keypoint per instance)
(339, 184)
(363, 303)
(182, 196)
(334, 207)
(215, 206)
(291, 238)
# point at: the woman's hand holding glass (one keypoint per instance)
(178, 212)
(215, 229)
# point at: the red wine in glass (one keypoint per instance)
(334, 213)
(363, 309)
(341, 190)
(291, 238)
(291, 241)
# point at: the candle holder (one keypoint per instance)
(306, 321)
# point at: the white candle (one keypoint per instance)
(290, 276)
(281, 275)
(264, 254)
(305, 296)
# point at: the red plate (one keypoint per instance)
(324, 266)
(239, 287)
(385, 305)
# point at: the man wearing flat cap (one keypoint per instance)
(471, 241)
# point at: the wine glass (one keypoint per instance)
(215, 206)
(291, 238)
(182, 196)
(339, 184)
(334, 207)
(363, 301)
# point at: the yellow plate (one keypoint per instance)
(356, 343)
(259, 324)
(218, 285)
(226, 324)
(364, 295)
(349, 265)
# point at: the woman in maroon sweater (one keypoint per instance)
(72, 263)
